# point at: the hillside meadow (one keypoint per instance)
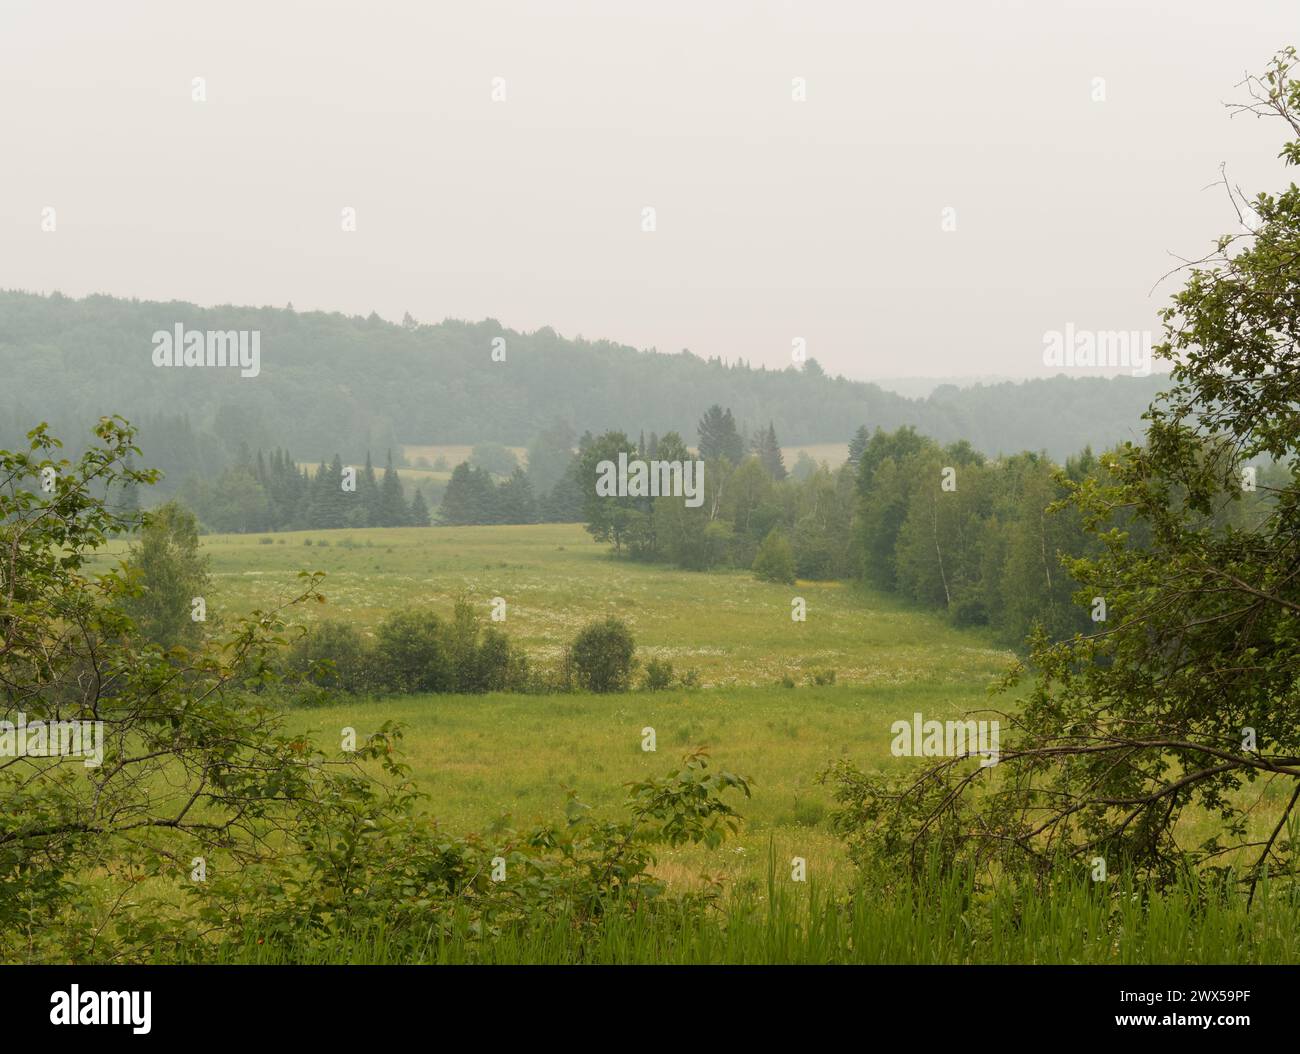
(482, 759)
(479, 757)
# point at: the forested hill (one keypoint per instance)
(332, 383)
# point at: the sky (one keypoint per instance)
(498, 160)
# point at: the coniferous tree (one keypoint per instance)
(516, 501)
(768, 449)
(419, 510)
(392, 505)
(368, 493)
(470, 497)
(548, 457)
(719, 437)
(858, 444)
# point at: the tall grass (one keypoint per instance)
(943, 922)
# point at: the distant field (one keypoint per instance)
(554, 578)
(834, 454)
(426, 479)
(455, 453)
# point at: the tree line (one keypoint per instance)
(332, 382)
(271, 492)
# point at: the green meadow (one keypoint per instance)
(764, 706)
(481, 757)
(758, 707)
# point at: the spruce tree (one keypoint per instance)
(392, 504)
(419, 510)
(368, 493)
(858, 444)
(768, 449)
(719, 437)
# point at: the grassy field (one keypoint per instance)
(759, 712)
(481, 756)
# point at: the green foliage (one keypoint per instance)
(1183, 696)
(658, 675)
(367, 859)
(335, 656)
(166, 573)
(767, 448)
(775, 559)
(415, 651)
(601, 657)
(190, 762)
(718, 436)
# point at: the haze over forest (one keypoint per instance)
(331, 383)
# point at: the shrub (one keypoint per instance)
(969, 612)
(775, 559)
(501, 667)
(824, 677)
(166, 571)
(411, 653)
(658, 675)
(333, 655)
(600, 659)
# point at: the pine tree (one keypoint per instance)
(393, 511)
(329, 505)
(470, 497)
(516, 501)
(719, 437)
(419, 510)
(858, 444)
(368, 493)
(768, 449)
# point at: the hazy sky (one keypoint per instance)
(775, 218)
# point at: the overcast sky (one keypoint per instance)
(775, 219)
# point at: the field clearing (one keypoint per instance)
(834, 454)
(455, 453)
(481, 757)
(420, 477)
(735, 630)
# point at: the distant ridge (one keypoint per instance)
(330, 382)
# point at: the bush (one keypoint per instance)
(411, 653)
(501, 667)
(166, 571)
(600, 659)
(333, 655)
(969, 612)
(416, 651)
(658, 675)
(775, 559)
